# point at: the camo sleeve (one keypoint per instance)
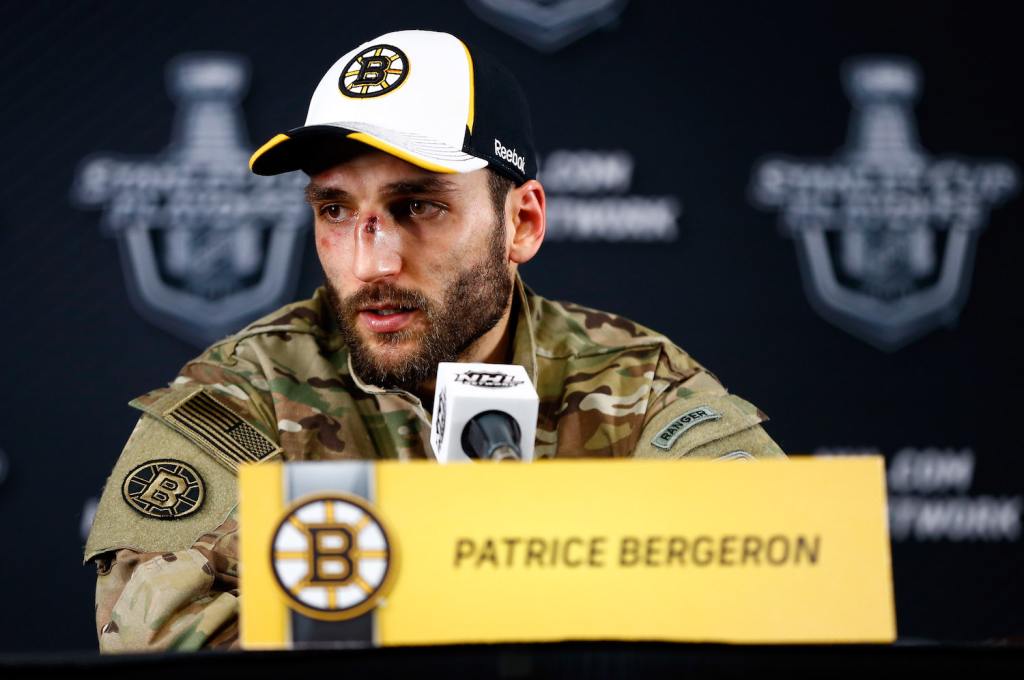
(164, 538)
(179, 600)
(697, 418)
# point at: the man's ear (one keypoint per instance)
(527, 208)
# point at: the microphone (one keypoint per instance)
(483, 412)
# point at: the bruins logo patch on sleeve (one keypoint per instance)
(163, 494)
(164, 489)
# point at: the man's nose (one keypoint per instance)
(377, 249)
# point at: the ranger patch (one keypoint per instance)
(164, 489)
(220, 431)
(675, 429)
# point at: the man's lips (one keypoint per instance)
(386, 318)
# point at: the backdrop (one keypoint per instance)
(818, 201)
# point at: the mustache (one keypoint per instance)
(384, 294)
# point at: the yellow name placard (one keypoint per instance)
(417, 553)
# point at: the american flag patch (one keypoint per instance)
(220, 431)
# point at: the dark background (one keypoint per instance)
(696, 92)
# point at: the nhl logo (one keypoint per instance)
(206, 245)
(548, 25)
(488, 379)
(885, 233)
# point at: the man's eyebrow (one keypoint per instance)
(316, 193)
(419, 185)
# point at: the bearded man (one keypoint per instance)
(424, 191)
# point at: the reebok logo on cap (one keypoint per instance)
(509, 155)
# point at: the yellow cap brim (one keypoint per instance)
(316, 146)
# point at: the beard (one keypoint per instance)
(472, 303)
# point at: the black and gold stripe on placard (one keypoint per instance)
(310, 479)
(219, 430)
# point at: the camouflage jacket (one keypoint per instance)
(164, 537)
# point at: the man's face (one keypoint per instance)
(416, 264)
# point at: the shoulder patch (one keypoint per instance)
(668, 435)
(164, 489)
(162, 495)
(216, 429)
(694, 421)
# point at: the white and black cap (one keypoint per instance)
(422, 96)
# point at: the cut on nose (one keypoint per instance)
(377, 252)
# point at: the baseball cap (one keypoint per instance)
(422, 96)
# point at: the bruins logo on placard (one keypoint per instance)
(164, 489)
(377, 70)
(332, 557)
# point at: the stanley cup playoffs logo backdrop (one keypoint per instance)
(206, 245)
(885, 233)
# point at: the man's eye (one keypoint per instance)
(423, 209)
(334, 212)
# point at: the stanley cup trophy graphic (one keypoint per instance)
(210, 259)
(206, 245)
(889, 253)
(885, 233)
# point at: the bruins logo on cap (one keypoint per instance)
(375, 71)
(332, 557)
(164, 489)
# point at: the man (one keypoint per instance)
(425, 200)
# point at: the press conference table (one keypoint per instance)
(567, 659)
